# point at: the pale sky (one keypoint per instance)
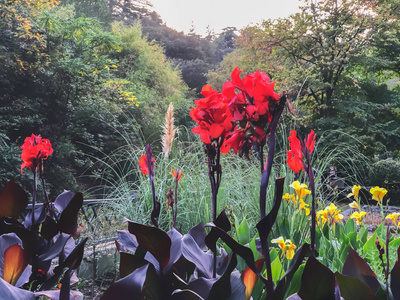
(179, 14)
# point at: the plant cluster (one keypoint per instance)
(161, 265)
(38, 251)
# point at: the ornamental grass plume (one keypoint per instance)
(168, 130)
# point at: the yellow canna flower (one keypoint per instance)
(287, 246)
(289, 198)
(355, 205)
(331, 209)
(304, 206)
(358, 216)
(322, 217)
(355, 192)
(394, 216)
(290, 249)
(378, 193)
(300, 189)
(281, 243)
(336, 217)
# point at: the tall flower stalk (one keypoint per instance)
(34, 151)
(146, 164)
(299, 158)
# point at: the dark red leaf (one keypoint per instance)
(15, 261)
(250, 278)
(355, 266)
(317, 282)
(129, 287)
(353, 288)
(13, 200)
(152, 239)
(68, 222)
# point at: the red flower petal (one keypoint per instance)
(310, 141)
(216, 130)
(143, 165)
(294, 162)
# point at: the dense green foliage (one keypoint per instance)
(338, 61)
(68, 79)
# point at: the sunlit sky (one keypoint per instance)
(218, 14)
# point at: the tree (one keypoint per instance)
(320, 43)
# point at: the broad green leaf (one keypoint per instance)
(370, 244)
(350, 226)
(276, 269)
(243, 232)
(295, 283)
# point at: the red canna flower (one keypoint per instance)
(34, 150)
(251, 101)
(143, 164)
(212, 116)
(177, 175)
(310, 141)
(297, 149)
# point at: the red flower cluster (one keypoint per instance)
(34, 150)
(143, 164)
(298, 149)
(249, 102)
(212, 116)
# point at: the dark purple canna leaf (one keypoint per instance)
(63, 200)
(128, 240)
(129, 263)
(56, 248)
(176, 249)
(186, 295)
(265, 225)
(202, 260)
(221, 222)
(68, 222)
(13, 200)
(199, 234)
(40, 216)
(353, 288)
(355, 266)
(222, 288)
(395, 277)
(71, 262)
(8, 291)
(202, 286)
(48, 229)
(129, 287)
(152, 239)
(317, 282)
(240, 250)
(28, 238)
